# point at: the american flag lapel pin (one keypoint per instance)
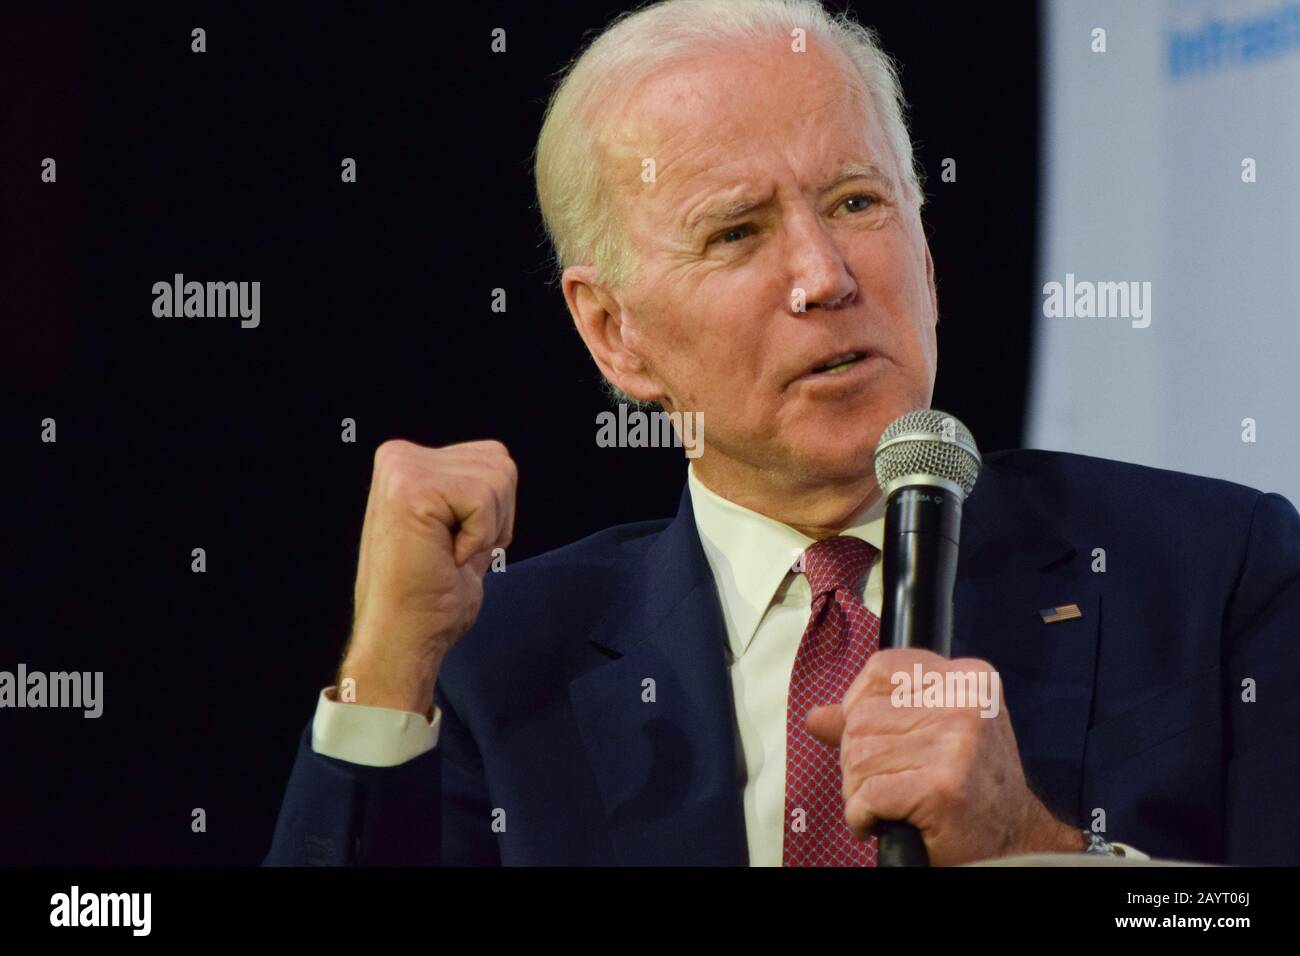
(1062, 612)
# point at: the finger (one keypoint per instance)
(504, 483)
(881, 674)
(882, 715)
(826, 723)
(500, 485)
(865, 757)
(859, 816)
(480, 562)
(868, 682)
(477, 514)
(508, 510)
(884, 796)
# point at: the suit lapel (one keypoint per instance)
(1013, 564)
(657, 720)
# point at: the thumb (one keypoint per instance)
(826, 723)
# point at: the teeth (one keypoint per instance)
(839, 362)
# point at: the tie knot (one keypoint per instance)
(838, 562)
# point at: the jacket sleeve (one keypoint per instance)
(432, 810)
(1262, 706)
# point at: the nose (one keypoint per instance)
(817, 266)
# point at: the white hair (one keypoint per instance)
(572, 189)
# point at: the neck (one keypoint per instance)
(816, 507)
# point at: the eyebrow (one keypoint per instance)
(726, 210)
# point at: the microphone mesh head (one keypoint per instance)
(927, 442)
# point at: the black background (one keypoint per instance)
(182, 433)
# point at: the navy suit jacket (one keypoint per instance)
(549, 755)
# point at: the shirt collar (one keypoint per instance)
(750, 554)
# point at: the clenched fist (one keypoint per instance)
(433, 518)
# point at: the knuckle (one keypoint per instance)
(972, 665)
(491, 446)
(857, 719)
(399, 488)
(869, 789)
(882, 666)
(388, 451)
(453, 491)
(876, 672)
(482, 495)
(859, 755)
(497, 484)
(502, 465)
(962, 749)
(856, 812)
(948, 785)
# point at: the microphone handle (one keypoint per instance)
(922, 533)
(900, 844)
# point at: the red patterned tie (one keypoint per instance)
(840, 636)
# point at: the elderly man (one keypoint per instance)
(732, 197)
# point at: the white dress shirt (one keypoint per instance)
(765, 607)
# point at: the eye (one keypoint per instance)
(867, 202)
(733, 235)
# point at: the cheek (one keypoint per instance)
(926, 334)
(896, 278)
(711, 334)
(927, 321)
(670, 343)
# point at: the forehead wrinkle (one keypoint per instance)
(857, 169)
(680, 160)
(718, 207)
(730, 201)
(621, 152)
(686, 146)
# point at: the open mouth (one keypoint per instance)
(840, 363)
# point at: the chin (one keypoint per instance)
(842, 450)
(841, 458)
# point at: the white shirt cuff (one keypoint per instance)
(372, 736)
(1131, 852)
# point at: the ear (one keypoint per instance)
(601, 320)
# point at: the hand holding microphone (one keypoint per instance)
(937, 784)
(926, 465)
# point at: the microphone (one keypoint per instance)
(926, 464)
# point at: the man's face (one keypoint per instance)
(713, 317)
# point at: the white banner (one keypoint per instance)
(1169, 327)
